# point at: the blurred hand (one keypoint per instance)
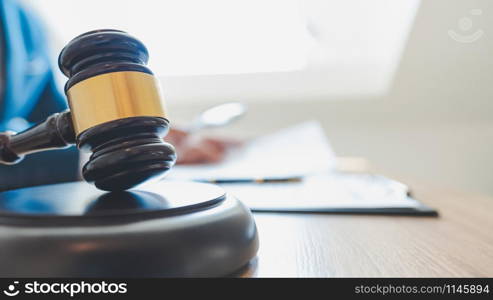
(198, 150)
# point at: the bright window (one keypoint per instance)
(227, 49)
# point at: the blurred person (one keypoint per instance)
(29, 94)
(199, 150)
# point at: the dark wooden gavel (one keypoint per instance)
(116, 112)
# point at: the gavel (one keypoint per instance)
(116, 112)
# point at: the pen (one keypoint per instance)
(255, 180)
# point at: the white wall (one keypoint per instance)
(435, 123)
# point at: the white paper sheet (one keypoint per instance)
(331, 191)
(301, 150)
(296, 151)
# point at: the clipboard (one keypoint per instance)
(334, 193)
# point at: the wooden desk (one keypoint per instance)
(459, 243)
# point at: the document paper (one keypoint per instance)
(296, 151)
(299, 151)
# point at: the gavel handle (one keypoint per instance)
(55, 132)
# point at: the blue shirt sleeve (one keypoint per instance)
(28, 76)
(28, 94)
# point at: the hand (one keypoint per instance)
(198, 150)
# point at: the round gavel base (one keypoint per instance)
(168, 229)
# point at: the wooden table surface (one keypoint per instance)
(459, 243)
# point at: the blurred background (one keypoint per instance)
(406, 84)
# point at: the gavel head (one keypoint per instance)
(117, 109)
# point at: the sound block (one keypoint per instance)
(167, 229)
